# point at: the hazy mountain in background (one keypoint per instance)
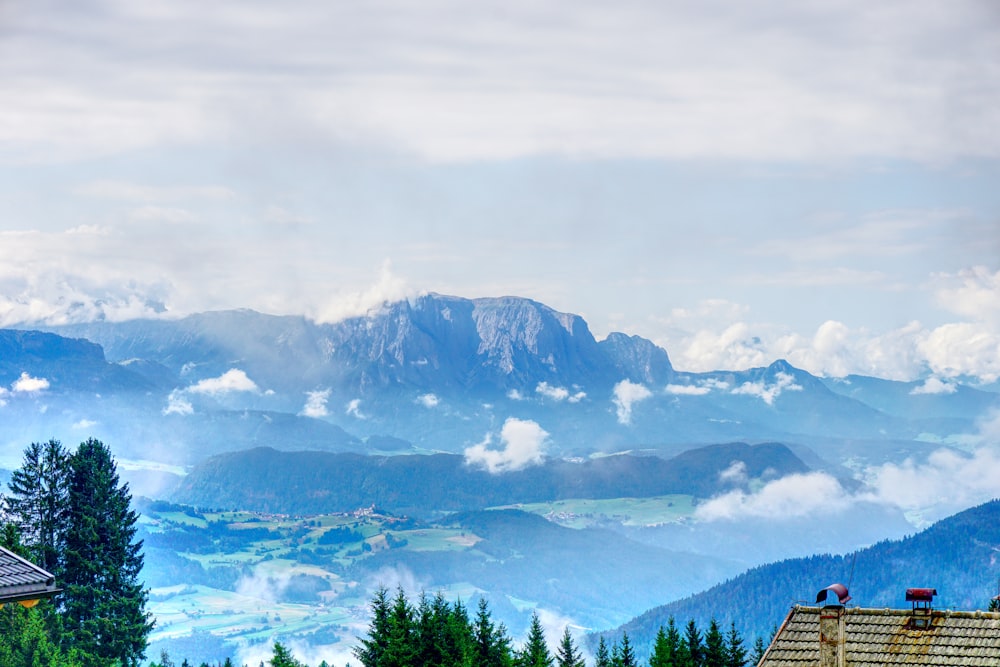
(442, 373)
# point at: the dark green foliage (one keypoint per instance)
(692, 649)
(491, 647)
(38, 504)
(715, 646)
(736, 653)
(622, 654)
(602, 657)
(758, 650)
(372, 649)
(434, 634)
(534, 653)
(103, 603)
(283, 657)
(567, 655)
(25, 641)
(666, 646)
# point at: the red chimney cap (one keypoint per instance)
(840, 590)
(920, 594)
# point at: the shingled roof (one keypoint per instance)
(22, 581)
(876, 637)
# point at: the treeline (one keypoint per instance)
(67, 513)
(436, 633)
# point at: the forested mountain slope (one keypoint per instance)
(957, 556)
(267, 480)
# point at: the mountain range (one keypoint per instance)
(439, 373)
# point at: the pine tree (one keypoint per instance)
(693, 647)
(736, 654)
(567, 654)
(458, 636)
(665, 646)
(715, 646)
(492, 645)
(39, 503)
(602, 658)
(535, 652)
(626, 654)
(401, 648)
(283, 657)
(372, 649)
(758, 650)
(104, 603)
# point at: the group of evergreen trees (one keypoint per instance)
(68, 513)
(436, 633)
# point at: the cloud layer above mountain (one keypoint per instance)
(775, 180)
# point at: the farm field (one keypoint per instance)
(632, 512)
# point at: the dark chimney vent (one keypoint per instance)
(921, 599)
(840, 590)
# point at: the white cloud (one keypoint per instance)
(555, 393)
(792, 496)
(948, 481)
(735, 348)
(522, 444)
(688, 389)
(170, 215)
(963, 348)
(950, 350)
(515, 395)
(559, 393)
(736, 473)
(790, 92)
(627, 394)
(353, 409)
(177, 404)
(316, 404)
(973, 293)
(428, 400)
(768, 392)
(135, 192)
(232, 380)
(388, 289)
(29, 385)
(84, 424)
(934, 386)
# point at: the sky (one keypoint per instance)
(738, 182)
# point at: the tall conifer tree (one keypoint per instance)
(38, 504)
(104, 602)
(715, 646)
(567, 655)
(535, 652)
(736, 653)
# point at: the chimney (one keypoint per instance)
(831, 625)
(921, 599)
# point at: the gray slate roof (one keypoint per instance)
(21, 580)
(876, 637)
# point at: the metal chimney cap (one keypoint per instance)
(840, 590)
(920, 594)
